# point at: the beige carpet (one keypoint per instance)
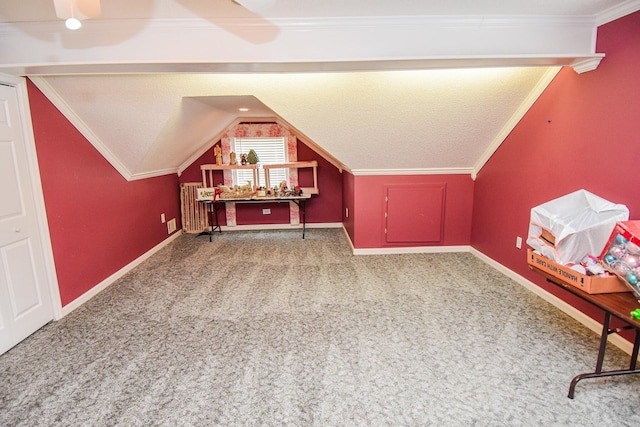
(267, 329)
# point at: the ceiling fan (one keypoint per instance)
(74, 11)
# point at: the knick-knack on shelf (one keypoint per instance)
(217, 152)
(252, 157)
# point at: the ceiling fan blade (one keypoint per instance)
(80, 9)
(256, 5)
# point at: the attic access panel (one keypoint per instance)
(415, 213)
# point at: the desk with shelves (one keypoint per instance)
(300, 201)
(209, 182)
(207, 172)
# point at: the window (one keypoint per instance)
(269, 151)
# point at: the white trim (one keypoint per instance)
(568, 309)
(346, 233)
(115, 276)
(209, 145)
(259, 227)
(589, 64)
(152, 174)
(618, 11)
(365, 65)
(286, 40)
(82, 127)
(411, 250)
(20, 84)
(533, 96)
(430, 171)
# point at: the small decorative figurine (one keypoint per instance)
(243, 159)
(252, 157)
(232, 158)
(218, 154)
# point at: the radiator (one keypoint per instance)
(194, 213)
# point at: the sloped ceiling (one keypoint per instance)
(379, 86)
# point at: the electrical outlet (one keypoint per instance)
(346, 212)
(519, 242)
(162, 218)
(171, 226)
(266, 211)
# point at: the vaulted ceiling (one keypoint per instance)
(377, 86)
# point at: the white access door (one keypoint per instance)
(25, 300)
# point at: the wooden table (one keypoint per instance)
(301, 201)
(619, 305)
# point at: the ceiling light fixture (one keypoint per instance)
(73, 23)
(74, 11)
(243, 109)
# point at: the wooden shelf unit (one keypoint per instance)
(295, 165)
(207, 170)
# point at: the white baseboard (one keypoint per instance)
(346, 233)
(115, 276)
(411, 250)
(587, 321)
(404, 250)
(258, 227)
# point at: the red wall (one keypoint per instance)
(368, 209)
(326, 207)
(98, 221)
(348, 204)
(583, 132)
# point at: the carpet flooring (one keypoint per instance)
(266, 329)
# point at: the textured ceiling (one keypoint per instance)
(375, 120)
(394, 113)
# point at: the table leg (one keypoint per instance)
(603, 346)
(302, 206)
(634, 353)
(215, 218)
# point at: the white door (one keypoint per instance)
(25, 301)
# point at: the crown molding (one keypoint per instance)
(207, 145)
(617, 11)
(152, 174)
(533, 96)
(582, 65)
(299, 67)
(430, 171)
(81, 126)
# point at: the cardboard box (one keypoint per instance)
(570, 227)
(621, 254)
(589, 284)
(548, 237)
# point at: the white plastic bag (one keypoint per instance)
(580, 223)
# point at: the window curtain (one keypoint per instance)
(256, 130)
